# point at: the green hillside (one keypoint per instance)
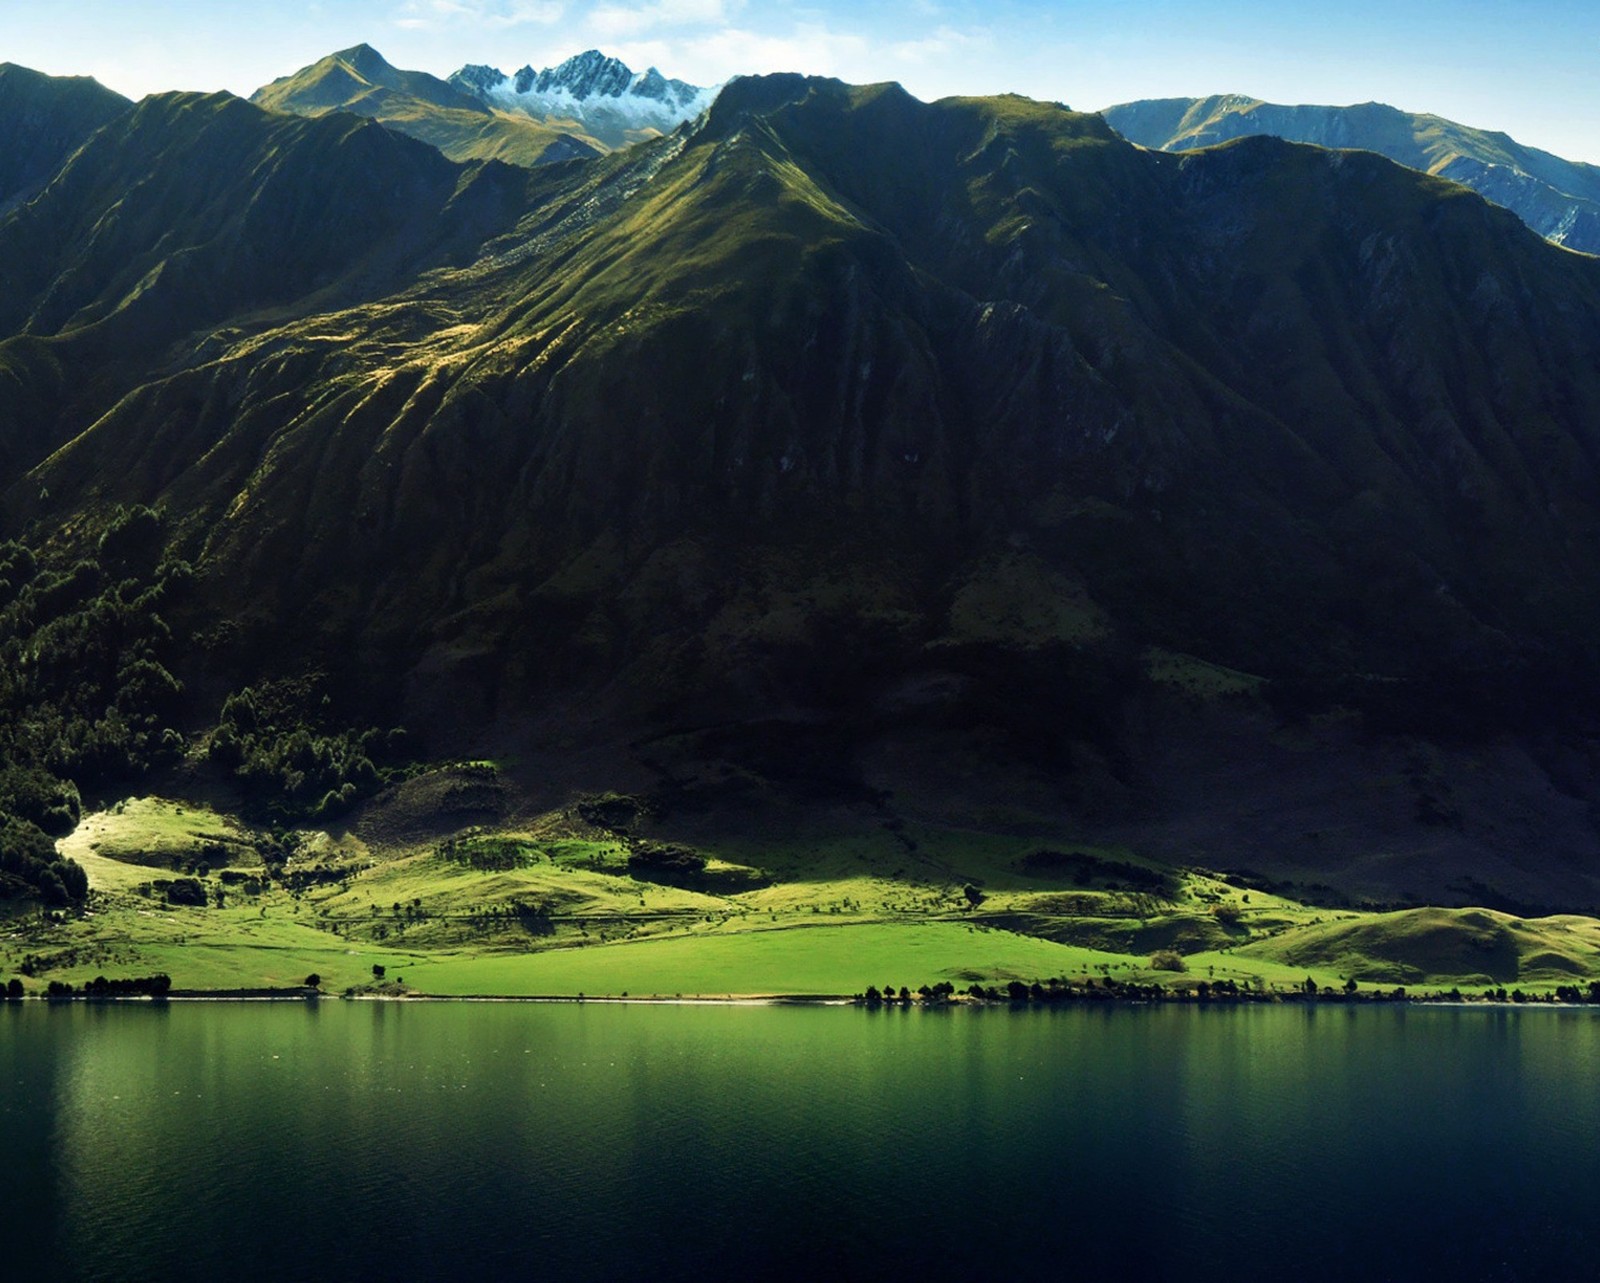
(555, 904)
(957, 474)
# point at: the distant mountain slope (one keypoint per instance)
(43, 120)
(1559, 199)
(598, 94)
(460, 125)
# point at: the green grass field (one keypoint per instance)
(553, 907)
(841, 959)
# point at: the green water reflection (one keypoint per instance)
(366, 1141)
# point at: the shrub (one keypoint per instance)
(663, 859)
(186, 891)
(614, 812)
(1229, 915)
(1168, 960)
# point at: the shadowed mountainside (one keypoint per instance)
(43, 120)
(840, 431)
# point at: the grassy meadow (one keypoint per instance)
(561, 903)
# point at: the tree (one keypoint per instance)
(73, 878)
(14, 990)
(51, 890)
(313, 981)
(377, 971)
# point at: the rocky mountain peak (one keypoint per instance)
(612, 102)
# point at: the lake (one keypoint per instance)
(388, 1141)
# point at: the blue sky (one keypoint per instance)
(1530, 67)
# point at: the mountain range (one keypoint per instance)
(1559, 199)
(959, 457)
(588, 105)
(612, 103)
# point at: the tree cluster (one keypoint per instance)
(274, 741)
(85, 692)
(156, 986)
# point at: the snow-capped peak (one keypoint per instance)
(598, 91)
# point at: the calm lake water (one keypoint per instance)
(387, 1142)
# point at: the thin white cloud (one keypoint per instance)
(940, 44)
(713, 57)
(707, 42)
(491, 15)
(628, 21)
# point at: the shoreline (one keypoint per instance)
(796, 1000)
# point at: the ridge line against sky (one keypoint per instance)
(1526, 67)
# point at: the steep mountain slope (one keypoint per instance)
(1559, 199)
(43, 120)
(857, 441)
(194, 210)
(461, 126)
(597, 95)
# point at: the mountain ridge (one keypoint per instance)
(461, 125)
(45, 119)
(875, 430)
(873, 188)
(609, 100)
(1559, 199)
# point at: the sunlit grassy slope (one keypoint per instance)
(554, 907)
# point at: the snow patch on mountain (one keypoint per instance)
(598, 91)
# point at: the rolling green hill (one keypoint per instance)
(954, 464)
